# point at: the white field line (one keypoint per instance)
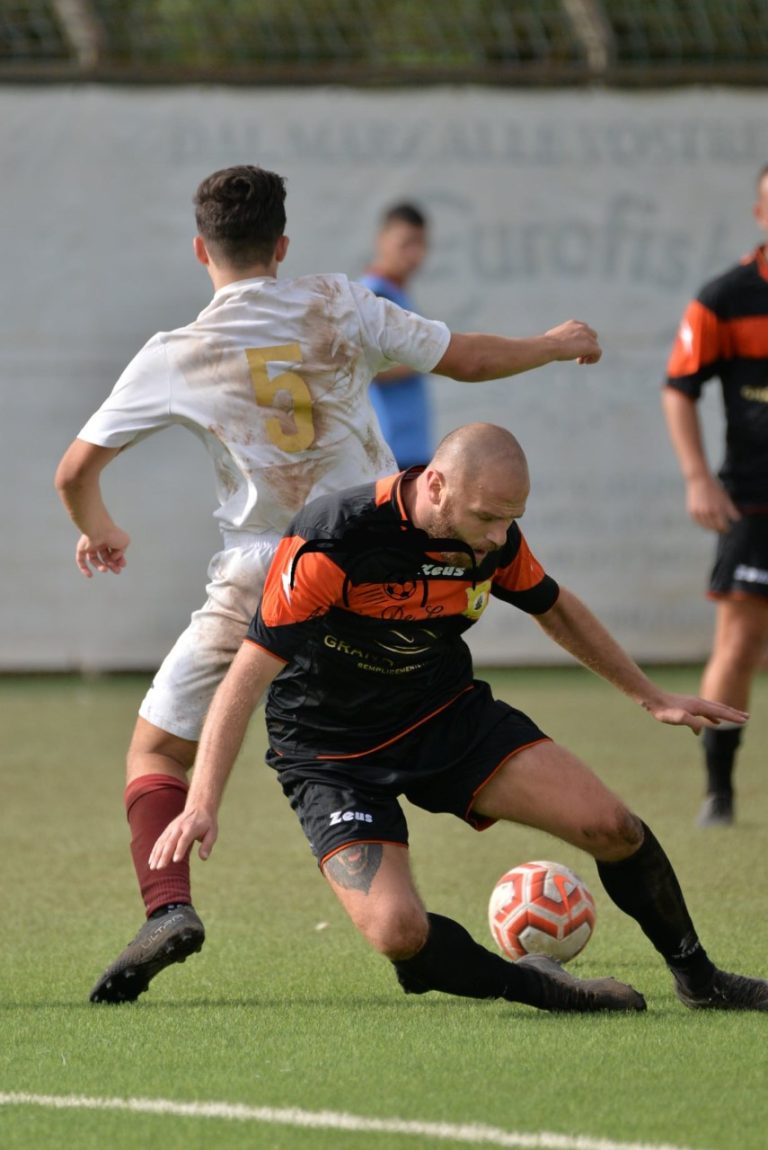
(469, 1134)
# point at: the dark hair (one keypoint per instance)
(240, 213)
(404, 213)
(761, 175)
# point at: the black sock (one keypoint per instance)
(645, 887)
(453, 962)
(719, 756)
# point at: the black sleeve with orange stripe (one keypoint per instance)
(697, 351)
(523, 581)
(294, 594)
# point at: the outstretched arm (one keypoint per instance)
(250, 674)
(708, 502)
(474, 357)
(102, 543)
(573, 626)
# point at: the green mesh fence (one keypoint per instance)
(30, 32)
(383, 41)
(334, 34)
(690, 31)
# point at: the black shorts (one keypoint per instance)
(741, 561)
(440, 766)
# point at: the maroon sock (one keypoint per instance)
(151, 802)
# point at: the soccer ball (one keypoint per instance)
(541, 908)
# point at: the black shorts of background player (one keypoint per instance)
(359, 634)
(724, 333)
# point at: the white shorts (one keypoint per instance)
(183, 687)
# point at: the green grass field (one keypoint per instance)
(287, 1008)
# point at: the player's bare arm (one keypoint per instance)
(572, 626)
(474, 357)
(250, 674)
(707, 501)
(103, 544)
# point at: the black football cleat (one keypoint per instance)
(725, 992)
(162, 940)
(561, 991)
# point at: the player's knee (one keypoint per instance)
(615, 834)
(155, 751)
(398, 932)
(740, 647)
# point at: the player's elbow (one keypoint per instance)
(81, 465)
(71, 475)
(67, 475)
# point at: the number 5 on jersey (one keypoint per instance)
(266, 391)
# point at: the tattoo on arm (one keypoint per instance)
(355, 867)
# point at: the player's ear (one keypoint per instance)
(281, 248)
(200, 250)
(435, 482)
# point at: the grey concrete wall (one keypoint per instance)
(611, 208)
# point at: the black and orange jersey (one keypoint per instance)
(724, 333)
(368, 616)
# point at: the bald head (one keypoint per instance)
(479, 451)
(473, 489)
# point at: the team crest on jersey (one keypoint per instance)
(477, 600)
(399, 589)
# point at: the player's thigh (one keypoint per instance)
(374, 884)
(548, 787)
(184, 686)
(741, 627)
(188, 677)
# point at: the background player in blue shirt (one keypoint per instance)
(401, 396)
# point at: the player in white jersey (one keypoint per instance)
(273, 378)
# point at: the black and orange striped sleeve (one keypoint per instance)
(697, 351)
(523, 582)
(297, 590)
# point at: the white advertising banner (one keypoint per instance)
(613, 208)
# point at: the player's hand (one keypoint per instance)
(103, 552)
(175, 842)
(710, 505)
(575, 340)
(690, 711)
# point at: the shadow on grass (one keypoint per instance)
(220, 1003)
(664, 1009)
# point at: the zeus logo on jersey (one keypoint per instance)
(441, 569)
(339, 817)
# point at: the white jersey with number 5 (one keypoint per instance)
(273, 377)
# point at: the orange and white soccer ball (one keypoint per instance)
(541, 908)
